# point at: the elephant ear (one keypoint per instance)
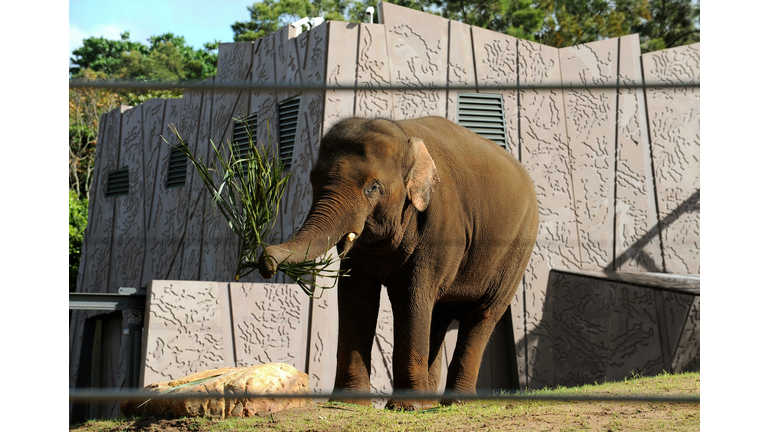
(423, 178)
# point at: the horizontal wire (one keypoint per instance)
(80, 396)
(134, 85)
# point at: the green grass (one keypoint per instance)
(471, 416)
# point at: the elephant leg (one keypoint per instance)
(359, 297)
(410, 360)
(474, 332)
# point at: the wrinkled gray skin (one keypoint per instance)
(445, 219)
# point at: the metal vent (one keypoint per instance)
(240, 141)
(288, 114)
(483, 114)
(118, 183)
(177, 169)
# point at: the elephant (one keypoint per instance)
(446, 220)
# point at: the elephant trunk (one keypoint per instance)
(323, 229)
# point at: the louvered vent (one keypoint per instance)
(483, 114)
(289, 119)
(177, 169)
(240, 142)
(118, 183)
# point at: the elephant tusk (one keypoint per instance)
(351, 237)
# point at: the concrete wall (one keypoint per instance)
(616, 173)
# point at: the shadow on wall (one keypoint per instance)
(595, 330)
(635, 252)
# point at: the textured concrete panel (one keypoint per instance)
(687, 352)
(269, 324)
(580, 319)
(673, 313)
(449, 347)
(634, 344)
(166, 208)
(606, 330)
(129, 229)
(264, 105)
(674, 117)
(323, 340)
(381, 352)
(637, 232)
(264, 102)
(340, 104)
(101, 209)
(311, 46)
(183, 330)
(461, 66)
(417, 44)
(591, 124)
(496, 64)
(373, 71)
(199, 203)
(220, 245)
(287, 69)
(545, 155)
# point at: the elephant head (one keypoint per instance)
(366, 173)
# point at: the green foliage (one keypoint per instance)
(167, 57)
(100, 54)
(270, 15)
(85, 108)
(572, 22)
(672, 23)
(78, 218)
(247, 189)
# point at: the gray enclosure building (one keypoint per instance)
(612, 285)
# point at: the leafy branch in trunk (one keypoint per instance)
(247, 185)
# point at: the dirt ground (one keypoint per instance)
(472, 417)
(469, 417)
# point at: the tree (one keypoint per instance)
(100, 54)
(270, 15)
(518, 18)
(573, 22)
(85, 109)
(672, 23)
(167, 57)
(78, 217)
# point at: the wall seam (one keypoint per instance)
(474, 59)
(207, 160)
(570, 161)
(520, 153)
(357, 69)
(448, 71)
(616, 155)
(114, 202)
(653, 168)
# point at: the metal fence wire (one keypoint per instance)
(81, 396)
(241, 86)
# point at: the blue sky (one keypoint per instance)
(199, 21)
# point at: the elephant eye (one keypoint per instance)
(373, 190)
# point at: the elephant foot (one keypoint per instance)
(411, 405)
